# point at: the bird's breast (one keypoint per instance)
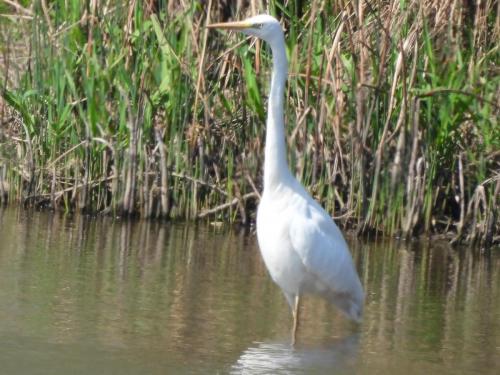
(273, 233)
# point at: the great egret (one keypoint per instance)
(302, 247)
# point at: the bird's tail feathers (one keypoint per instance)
(351, 308)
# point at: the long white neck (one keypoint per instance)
(275, 164)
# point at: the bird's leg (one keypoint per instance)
(295, 319)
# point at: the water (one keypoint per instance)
(84, 296)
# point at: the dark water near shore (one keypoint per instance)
(97, 296)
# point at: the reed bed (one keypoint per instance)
(135, 109)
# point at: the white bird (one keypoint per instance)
(302, 247)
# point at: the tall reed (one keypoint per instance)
(132, 108)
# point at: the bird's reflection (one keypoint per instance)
(282, 358)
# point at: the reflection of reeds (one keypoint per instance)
(431, 301)
(134, 109)
(195, 293)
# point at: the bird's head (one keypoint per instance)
(262, 26)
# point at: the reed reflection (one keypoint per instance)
(199, 297)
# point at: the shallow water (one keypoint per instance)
(81, 296)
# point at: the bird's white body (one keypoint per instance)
(305, 251)
(302, 247)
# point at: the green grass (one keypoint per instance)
(392, 117)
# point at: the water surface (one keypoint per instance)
(95, 295)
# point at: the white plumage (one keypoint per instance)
(305, 251)
(302, 247)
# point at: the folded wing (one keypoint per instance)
(325, 255)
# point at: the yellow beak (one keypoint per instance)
(237, 25)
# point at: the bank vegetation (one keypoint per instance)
(135, 109)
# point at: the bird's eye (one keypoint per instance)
(258, 25)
